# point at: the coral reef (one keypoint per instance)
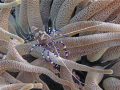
(59, 44)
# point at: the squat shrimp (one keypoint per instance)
(47, 40)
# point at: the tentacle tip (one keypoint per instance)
(38, 85)
(109, 71)
(22, 41)
(18, 2)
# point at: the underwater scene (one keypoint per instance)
(59, 44)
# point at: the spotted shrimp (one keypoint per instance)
(48, 41)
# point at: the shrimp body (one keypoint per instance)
(47, 40)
